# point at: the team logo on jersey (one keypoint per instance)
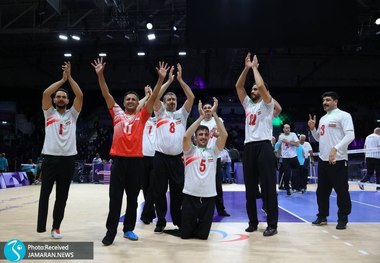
(332, 124)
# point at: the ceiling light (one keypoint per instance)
(182, 53)
(102, 54)
(149, 25)
(377, 22)
(151, 36)
(140, 53)
(67, 55)
(75, 37)
(63, 37)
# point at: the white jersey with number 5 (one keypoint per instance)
(200, 170)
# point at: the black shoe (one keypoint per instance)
(270, 231)
(361, 185)
(251, 228)
(108, 240)
(281, 188)
(145, 220)
(223, 213)
(173, 232)
(320, 221)
(288, 192)
(159, 229)
(341, 225)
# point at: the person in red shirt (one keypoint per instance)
(126, 151)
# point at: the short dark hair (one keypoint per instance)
(201, 127)
(265, 85)
(331, 94)
(169, 94)
(131, 92)
(207, 103)
(63, 90)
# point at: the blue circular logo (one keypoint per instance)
(14, 250)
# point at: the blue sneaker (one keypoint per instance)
(131, 236)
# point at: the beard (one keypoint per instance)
(61, 107)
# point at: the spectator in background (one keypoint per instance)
(289, 142)
(235, 157)
(308, 156)
(372, 158)
(226, 165)
(38, 172)
(97, 159)
(3, 163)
(30, 169)
(280, 167)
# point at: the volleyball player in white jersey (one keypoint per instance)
(167, 162)
(372, 159)
(258, 152)
(149, 137)
(210, 122)
(309, 160)
(335, 132)
(289, 143)
(200, 169)
(59, 148)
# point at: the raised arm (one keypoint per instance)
(193, 127)
(189, 94)
(161, 71)
(264, 93)
(240, 84)
(277, 108)
(78, 100)
(46, 95)
(311, 123)
(99, 67)
(164, 87)
(148, 92)
(222, 138)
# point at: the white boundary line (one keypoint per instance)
(300, 218)
(358, 202)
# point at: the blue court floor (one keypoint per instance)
(299, 207)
